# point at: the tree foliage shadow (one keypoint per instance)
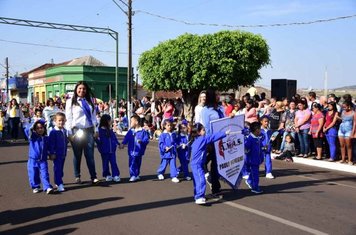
(70, 220)
(20, 216)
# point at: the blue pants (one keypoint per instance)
(183, 164)
(14, 127)
(37, 172)
(109, 158)
(198, 181)
(172, 164)
(268, 163)
(253, 179)
(292, 133)
(304, 141)
(86, 144)
(58, 166)
(331, 137)
(135, 165)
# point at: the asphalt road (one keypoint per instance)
(301, 200)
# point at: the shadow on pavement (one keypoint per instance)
(13, 162)
(20, 216)
(70, 220)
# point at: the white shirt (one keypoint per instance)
(197, 113)
(76, 117)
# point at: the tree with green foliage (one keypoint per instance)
(191, 63)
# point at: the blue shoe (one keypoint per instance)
(257, 191)
(248, 185)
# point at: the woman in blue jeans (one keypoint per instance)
(302, 127)
(330, 129)
(81, 115)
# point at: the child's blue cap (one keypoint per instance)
(184, 122)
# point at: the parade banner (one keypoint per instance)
(231, 149)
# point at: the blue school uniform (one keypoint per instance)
(137, 141)
(267, 151)
(37, 165)
(198, 159)
(107, 144)
(168, 139)
(58, 146)
(183, 153)
(254, 157)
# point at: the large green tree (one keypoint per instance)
(191, 63)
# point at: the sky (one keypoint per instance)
(301, 52)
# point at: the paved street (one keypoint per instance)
(301, 200)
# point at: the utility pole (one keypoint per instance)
(7, 79)
(129, 66)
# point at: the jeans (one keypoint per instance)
(14, 127)
(331, 137)
(304, 141)
(86, 144)
(292, 133)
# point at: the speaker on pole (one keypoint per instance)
(283, 88)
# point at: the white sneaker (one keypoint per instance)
(208, 180)
(60, 188)
(36, 190)
(188, 178)
(138, 178)
(245, 177)
(49, 191)
(200, 201)
(175, 180)
(108, 178)
(117, 178)
(160, 177)
(95, 181)
(269, 176)
(132, 179)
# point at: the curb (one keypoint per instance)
(324, 164)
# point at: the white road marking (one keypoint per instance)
(274, 218)
(329, 182)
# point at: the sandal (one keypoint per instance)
(341, 161)
(300, 155)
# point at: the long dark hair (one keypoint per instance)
(16, 104)
(105, 122)
(88, 94)
(211, 98)
(195, 130)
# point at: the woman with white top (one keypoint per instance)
(14, 115)
(199, 107)
(81, 115)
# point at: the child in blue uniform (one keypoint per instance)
(267, 134)
(198, 159)
(254, 156)
(107, 144)
(168, 149)
(37, 165)
(136, 139)
(183, 149)
(58, 149)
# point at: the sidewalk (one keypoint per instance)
(324, 164)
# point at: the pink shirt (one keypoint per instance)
(300, 115)
(251, 115)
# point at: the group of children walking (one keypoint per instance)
(188, 144)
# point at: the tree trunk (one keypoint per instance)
(190, 101)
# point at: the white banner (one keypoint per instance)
(230, 150)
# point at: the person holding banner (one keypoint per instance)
(254, 156)
(200, 141)
(212, 111)
(268, 137)
(81, 118)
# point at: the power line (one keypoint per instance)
(62, 47)
(118, 5)
(247, 26)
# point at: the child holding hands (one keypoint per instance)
(58, 141)
(136, 139)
